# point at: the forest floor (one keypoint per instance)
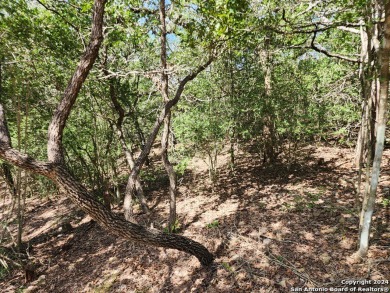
(271, 229)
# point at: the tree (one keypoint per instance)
(362, 23)
(368, 207)
(55, 168)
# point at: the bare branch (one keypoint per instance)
(142, 10)
(305, 29)
(311, 6)
(349, 29)
(325, 52)
(142, 157)
(191, 77)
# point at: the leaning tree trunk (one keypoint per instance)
(56, 170)
(123, 228)
(86, 201)
(368, 209)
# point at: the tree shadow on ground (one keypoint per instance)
(277, 226)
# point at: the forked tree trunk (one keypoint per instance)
(55, 168)
(368, 209)
(131, 186)
(139, 192)
(131, 183)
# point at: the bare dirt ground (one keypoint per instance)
(271, 229)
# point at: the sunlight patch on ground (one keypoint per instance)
(225, 209)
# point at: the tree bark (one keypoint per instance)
(139, 192)
(167, 121)
(368, 209)
(56, 170)
(269, 132)
(58, 122)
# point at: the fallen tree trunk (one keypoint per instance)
(109, 221)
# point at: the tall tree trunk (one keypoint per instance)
(269, 132)
(19, 179)
(137, 182)
(365, 42)
(380, 135)
(232, 128)
(167, 121)
(370, 40)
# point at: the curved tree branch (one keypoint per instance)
(86, 201)
(145, 152)
(329, 54)
(56, 127)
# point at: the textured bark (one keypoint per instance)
(171, 174)
(123, 228)
(58, 122)
(368, 209)
(56, 170)
(112, 223)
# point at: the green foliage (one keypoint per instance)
(227, 267)
(311, 97)
(302, 203)
(181, 167)
(213, 224)
(385, 202)
(175, 228)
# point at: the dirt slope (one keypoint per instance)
(271, 228)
